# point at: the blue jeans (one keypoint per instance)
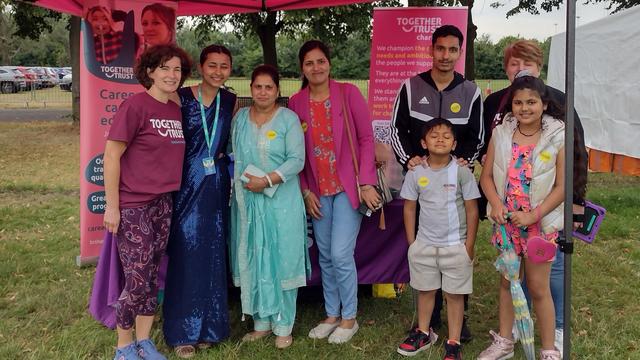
(336, 232)
(557, 288)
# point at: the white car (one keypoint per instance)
(11, 81)
(65, 82)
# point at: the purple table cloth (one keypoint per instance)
(381, 257)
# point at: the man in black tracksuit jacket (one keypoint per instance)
(439, 93)
(420, 101)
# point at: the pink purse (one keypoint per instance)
(539, 250)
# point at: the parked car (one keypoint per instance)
(30, 77)
(53, 75)
(62, 71)
(65, 83)
(11, 81)
(46, 77)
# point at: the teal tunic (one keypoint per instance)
(268, 245)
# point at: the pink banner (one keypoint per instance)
(401, 48)
(113, 35)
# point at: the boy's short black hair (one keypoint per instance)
(447, 30)
(437, 122)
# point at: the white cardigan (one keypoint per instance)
(544, 164)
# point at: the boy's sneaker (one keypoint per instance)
(500, 349)
(417, 342)
(453, 350)
(129, 352)
(550, 355)
(147, 351)
(559, 342)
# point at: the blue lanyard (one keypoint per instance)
(208, 138)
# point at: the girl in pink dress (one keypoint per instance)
(523, 179)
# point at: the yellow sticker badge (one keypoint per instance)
(455, 107)
(304, 126)
(545, 156)
(271, 134)
(423, 181)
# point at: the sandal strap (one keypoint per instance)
(185, 351)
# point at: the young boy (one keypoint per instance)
(440, 255)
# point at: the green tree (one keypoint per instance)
(332, 24)
(488, 59)
(32, 22)
(532, 6)
(472, 30)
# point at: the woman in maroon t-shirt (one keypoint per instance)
(142, 166)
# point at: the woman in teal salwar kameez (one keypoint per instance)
(268, 247)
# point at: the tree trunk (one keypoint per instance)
(470, 64)
(74, 48)
(267, 31)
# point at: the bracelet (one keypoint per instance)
(269, 180)
(305, 193)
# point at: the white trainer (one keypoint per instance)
(341, 335)
(559, 342)
(323, 330)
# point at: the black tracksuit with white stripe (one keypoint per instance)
(419, 101)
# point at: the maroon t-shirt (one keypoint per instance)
(152, 163)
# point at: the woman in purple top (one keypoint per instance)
(142, 166)
(328, 182)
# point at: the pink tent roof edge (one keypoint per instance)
(210, 7)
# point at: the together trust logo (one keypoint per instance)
(117, 72)
(419, 25)
(168, 128)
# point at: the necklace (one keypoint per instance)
(528, 135)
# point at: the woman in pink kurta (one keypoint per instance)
(328, 182)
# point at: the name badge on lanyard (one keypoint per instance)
(209, 162)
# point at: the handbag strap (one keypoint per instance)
(347, 121)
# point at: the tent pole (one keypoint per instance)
(568, 202)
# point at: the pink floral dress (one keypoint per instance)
(519, 176)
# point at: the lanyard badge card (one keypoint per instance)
(208, 162)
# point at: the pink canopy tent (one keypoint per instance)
(211, 7)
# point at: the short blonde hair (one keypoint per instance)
(523, 49)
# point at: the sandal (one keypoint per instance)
(256, 335)
(185, 351)
(283, 342)
(204, 345)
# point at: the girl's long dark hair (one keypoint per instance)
(533, 83)
(305, 48)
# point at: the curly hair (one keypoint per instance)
(157, 56)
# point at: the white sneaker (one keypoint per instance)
(559, 341)
(323, 330)
(341, 335)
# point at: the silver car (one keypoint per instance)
(11, 80)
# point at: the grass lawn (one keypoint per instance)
(43, 295)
